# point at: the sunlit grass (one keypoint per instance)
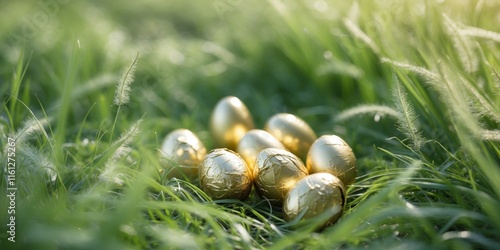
(413, 87)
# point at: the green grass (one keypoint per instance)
(412, 86)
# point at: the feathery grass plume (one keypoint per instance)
(408, 123)
(358, 33)
(467, 103)
(463, 45)
(29, 128)
(366, 109)
(490, 135)
(457, 101)
(484, 107)
(127, 138)
(480, 33)
(37, 160)
(122, 148)
(123, 86)
(425, 73)
(122, 92)
(461, 98)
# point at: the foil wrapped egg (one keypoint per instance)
(276, 172)
(181, 153)
(319, 194)
(223, 174)
(295, 134)
(331, 154)
(229, 122)
(255, 141)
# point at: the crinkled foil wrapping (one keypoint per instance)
(314, 195)
(181, 153)
(332, 154)
(229, 121)
(295, 134)
(224, 175)
(276, 172)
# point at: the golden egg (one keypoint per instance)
(276, 172)
(295, 134)
(255, 141)
(181, 153)
(229, 122)
(331, 154)
(224, 174)
(320, 194)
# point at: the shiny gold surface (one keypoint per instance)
(315, 195)
(224, 174)
(230, 120)
(295, 134)
(255, 141)
(276, 172)
(181, 153)
(333, 155)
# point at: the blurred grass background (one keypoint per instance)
(413, 87)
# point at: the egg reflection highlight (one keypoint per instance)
(295, 134)
(181, 153)
(223, 174)
(229, 122)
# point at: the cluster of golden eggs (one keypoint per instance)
(269, 159)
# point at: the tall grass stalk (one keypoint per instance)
(17, 80)
(123, 91)
(66, 105)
